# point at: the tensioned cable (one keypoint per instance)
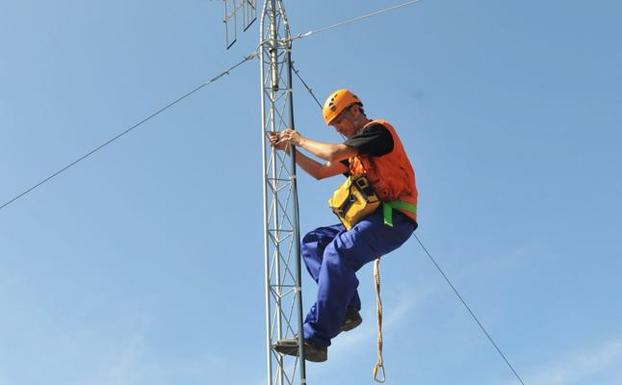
(492, 341)
(309, 89)
(149, 117)
(438, 267)
(354, 19)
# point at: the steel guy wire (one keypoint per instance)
(492, 341)
(309, 89)
(438, 267)
(354, 19)
(149, 117)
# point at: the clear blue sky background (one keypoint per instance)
(143, 265)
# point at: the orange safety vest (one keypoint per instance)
(391, 175)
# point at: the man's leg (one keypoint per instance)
(312, 250)
(337, 282)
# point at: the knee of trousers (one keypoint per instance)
(315, 241)
(310, 242)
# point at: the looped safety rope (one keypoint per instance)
(379, 367)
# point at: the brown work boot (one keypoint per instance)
(314, 353)
(352, 320)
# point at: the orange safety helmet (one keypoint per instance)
(337, 102)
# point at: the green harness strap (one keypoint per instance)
(388, 207)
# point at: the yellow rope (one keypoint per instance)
(379, 367)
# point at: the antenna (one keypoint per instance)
(248, 8)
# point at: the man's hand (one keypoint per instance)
(291, 136)
(276, 142)
(284, 139)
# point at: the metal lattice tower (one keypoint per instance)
(281, 218)
(280, 197)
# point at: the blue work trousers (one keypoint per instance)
(332, 255)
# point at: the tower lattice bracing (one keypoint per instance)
(281, 218)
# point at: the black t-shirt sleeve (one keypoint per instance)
(375, 140)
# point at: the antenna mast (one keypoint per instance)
(281, 217)
(280, 196)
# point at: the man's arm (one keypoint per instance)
(327, 151)
(311, 166)
(317, 169)
(333, 153)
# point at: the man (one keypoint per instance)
(333, 254)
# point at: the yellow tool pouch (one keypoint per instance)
(354, 200)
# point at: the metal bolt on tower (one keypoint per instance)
(281, 217)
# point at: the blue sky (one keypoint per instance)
(144, 263)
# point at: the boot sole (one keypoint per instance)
(292, 350)
(351, 325)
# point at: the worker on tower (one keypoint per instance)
(376, 206)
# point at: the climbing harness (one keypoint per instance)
(388, 207)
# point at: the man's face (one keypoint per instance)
(344, 123)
